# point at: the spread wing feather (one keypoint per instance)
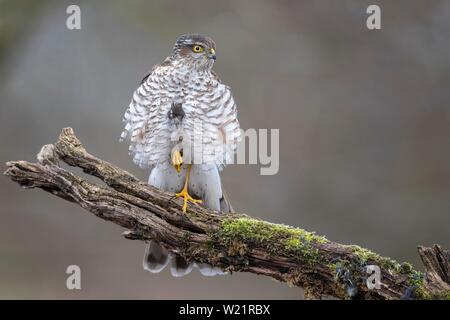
(147, 125)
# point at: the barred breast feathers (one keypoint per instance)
(203, 98)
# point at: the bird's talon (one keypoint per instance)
(187, 198)
(177, 160)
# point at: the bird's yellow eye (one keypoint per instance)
(197, 48)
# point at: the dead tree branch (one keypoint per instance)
(232, 242)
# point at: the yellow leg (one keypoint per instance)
(177, 160)
(184, 193)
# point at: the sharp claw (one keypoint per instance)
(187, 198)
(184, 193)
(177, 160)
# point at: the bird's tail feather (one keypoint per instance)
(208, 270)
(156, 257)
(179, 267)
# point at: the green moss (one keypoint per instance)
(446, 295)
(292, 243)
(275, 237)
(336, 267)
(420, 293)
(239, 235)
(340, 265)
(406, 268)
(423, 294)
(333, 267)
(209, 245)
(415, 278)
(366, 256)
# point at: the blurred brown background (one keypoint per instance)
(363, 116)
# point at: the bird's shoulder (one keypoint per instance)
(157, 68)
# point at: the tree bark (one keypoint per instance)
(233, 242)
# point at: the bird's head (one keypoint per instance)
(196, 50)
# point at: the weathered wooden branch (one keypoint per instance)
(232, 242)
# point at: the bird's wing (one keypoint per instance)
(228, 123)
(146, 121)
(221, 129)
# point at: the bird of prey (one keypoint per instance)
(182, 123)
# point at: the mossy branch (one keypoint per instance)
(232, 242)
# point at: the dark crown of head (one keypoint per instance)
(190, 39)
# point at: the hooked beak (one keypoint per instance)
(212, 54)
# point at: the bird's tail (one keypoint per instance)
(179, 267)
(156, 258)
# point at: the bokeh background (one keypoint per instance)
(364, 123)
